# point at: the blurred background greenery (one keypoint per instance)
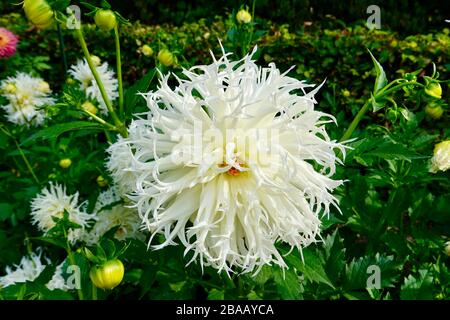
(403, 16)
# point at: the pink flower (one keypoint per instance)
(8, 43)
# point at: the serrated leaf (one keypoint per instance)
(418, 288)
(288, 284)
(312, 268)
(381, 79)
(58, 129)
(357, 273)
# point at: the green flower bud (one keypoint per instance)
(166, 57)
(434, 110)
(433, 89)
(243, 16)
(146, 50)
(105, 19)
(96, 60)
(65, 163)
(109, 275)
(39, 13)
(89, 107)
(102, 182)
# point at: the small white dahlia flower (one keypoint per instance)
(26, 98)
(230, 162)
(111, 212)
(83, 74)
(52, 202)
(29, 268)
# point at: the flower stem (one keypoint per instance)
(119, 125)
(119, 69)
(356, 120)
(72, 262)
(62, 47)
(100, 120)
(22, 154)
(94, 292)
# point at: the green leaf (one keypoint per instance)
(58, 129)
(335, 255)
(357, 272)
(215, 294)
(132, 93)
(381, 80)
(90, 256)
(54, 241)
(377, 104)
(288, 284)
(312, 268)
(418, 288)
(6, 210)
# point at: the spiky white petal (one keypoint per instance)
(83, 74)
(26, 101)
(57, 281)
(231, 161)
(111, 212)
(29, 268)
(52, 202)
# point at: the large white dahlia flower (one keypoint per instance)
(26, 96)
(83, 74)
(231, 161)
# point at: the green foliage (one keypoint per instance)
(394, 211)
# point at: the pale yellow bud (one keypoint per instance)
(441, 157)
(44, 87)
(243, 16)
(146, 50)
(89, 107)
(102, 182)
(434, 110)
(65, 163)
(447, 248)
(96, 60)
(166, 57)
(434, 90)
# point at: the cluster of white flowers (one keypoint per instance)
(110, 212)
(52, 202)
(231, 161)
(27, 96)
(30, 268)
(83, 74)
